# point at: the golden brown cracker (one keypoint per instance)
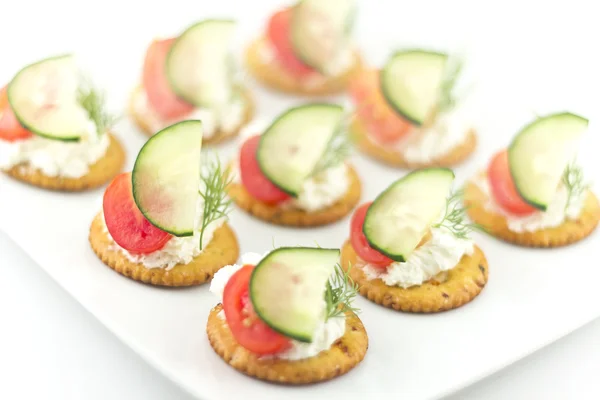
(346, 353)
(222, 250)
(496, 225)
(293, 216)
(99, 174)
(272, 74)
(394, 158)
(462, 284)
(218, 137)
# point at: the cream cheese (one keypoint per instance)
(325, 335)
(54, 157)
(439, 254)
(557, 212)
(226, 118)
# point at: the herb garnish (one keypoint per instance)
(455, 219)
(340, 293)
(573, 181)
(216, 203)
(93, 101)
(337, 150)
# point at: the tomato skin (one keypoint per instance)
(503, 187)
(379, 118)
(359, 241)
(10, 128)
(246, 327)
(278, 33)
(253, 179)
(126, 223)
(161, 97)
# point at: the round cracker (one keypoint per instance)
(105, 169)
(218, 137)
(293, 216)
(346, 353)
(394, 158)
(463, 283)
(273, 75)
(570, 231)
(222, 250)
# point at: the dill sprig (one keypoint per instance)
(337, 150)
(574, 183)
(216, 203)
(340, 293)
(93, 101)
(455, 218)
(447, 98)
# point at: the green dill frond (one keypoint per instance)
(93, 101)
(447, 98)
(216, 203)
(574, 183)
(340, 293)
(338, 149)
(455, 218)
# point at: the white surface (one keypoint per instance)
(532, 298)
(77, 358)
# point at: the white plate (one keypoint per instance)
(533, 296)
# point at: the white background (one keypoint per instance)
(543, 54)
(52, 349)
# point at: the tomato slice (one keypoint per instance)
(359, 241)
(253, 179)
(246, 327)
(278, 32)
(503, 187)
(10, 128)
(126, 223)
(156, 84)
(381, 121)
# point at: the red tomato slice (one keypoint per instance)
(359, 241)
(10, 128)
(156, 84)
(503, 187)
(126, 223)
(255, 182)
(246, 327)
(379, 118)
(278, 32)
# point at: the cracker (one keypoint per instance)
(222, 250)
(346, 353)
(99, 173)
(295, 217)
(218, 137)
(273, 75)
(394, 158)
(463, 283)
(570, 231)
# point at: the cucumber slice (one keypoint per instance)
(197, 64)
(318, 30)
(166, 178)
(410, 82)
(43, 97)
(539, 154)
(292, 146)
(400, 216)
(287, 289)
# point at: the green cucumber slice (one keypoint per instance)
(318, 29)
(291, 147)
(43, 97)
(166, 177)
(197, 63)
(400, 216)
(539, 154)
(410, 82)
(287, 289)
